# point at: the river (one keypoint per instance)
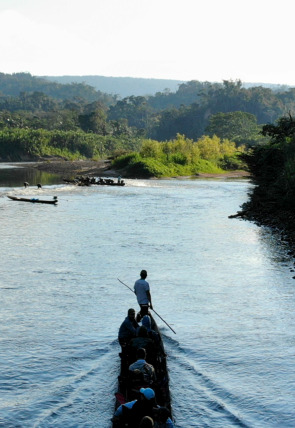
(224, 285)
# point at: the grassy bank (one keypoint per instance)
(135, 166)
(180, 157)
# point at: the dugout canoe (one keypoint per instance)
(34, 200)
(127, 390)
(88, 181)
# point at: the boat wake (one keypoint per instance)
(197, 400)
(77, 396)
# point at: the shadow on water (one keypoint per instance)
(15, 176)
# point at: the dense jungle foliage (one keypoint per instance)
(32, 144)
(39, 118)
(273, 169)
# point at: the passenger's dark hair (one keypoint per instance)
(141, 354)
(143, 274)
(146, 422)
(142, 331)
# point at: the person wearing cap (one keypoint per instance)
(133, 411)
(147, 370)
(128, 328)
(143, 294)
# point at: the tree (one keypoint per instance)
(237, 126)
(150, 148)
(94, 119)
(135, 109)
(285, 128)
(209, 148)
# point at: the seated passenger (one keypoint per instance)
(146, 422)
(143, 341)
(128, 329)
(131, 413)
(146, 321)
(162, 418)
(147, 370)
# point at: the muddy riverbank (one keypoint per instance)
(69, 169)
(104, 168)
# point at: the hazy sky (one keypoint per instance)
(206, 40)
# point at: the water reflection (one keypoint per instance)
(15, 176)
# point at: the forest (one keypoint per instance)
(41, 118)
(273, 170)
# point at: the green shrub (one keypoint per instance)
(146, 168)
(123, 161)
(232, 162)
(179, 158)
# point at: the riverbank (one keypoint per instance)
(70, 169)
(103, 168)
(227, 174)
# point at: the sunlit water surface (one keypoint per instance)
(224, 285)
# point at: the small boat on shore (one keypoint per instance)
(131, 385)
(34, 200)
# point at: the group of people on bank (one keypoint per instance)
(141, 347)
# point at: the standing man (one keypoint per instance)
(142, 291)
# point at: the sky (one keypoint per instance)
(205, 40)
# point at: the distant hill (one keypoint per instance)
(121, 86)
(137, 86)
(276, 87)
(18, 83)
(106, 89)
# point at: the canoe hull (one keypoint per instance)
(82, 183)
(33, 200)
(126, 393)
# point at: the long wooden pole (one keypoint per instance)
(150, 308)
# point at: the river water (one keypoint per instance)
(224, 285)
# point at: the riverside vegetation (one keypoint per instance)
(272, 167)
(181, 157)
(140, 158)
(202, 127)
